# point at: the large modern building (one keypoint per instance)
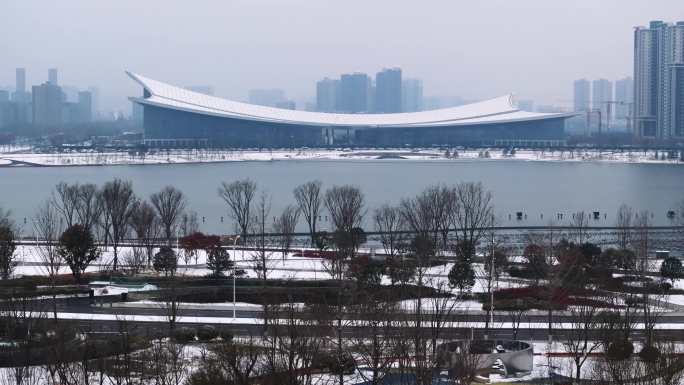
(176, 117)
(658, 92)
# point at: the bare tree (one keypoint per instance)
(262, 258)
(89, 209)
(390, 224)
(285, 226)
(8, 244)
(291, 353)
(461, 362)
(46, 227)
(623, 222)
(422, 213)
(146, 226)
(118, 203)
(170, 204)
(189, 223)
(346, 207)
(581, 338)
(238, 196)
(373, 342)
(473, 213)
(580, 227)
(65, 199)
(309, 199)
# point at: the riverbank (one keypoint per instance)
(31, 159)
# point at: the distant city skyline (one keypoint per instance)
(245, 45)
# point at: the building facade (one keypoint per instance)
(175, 117)
(601, 99)
(326, 95)
(624, 96)
(582, 95)
(48, 105)
(388, 91)
(658, 54)
(412, 95)
(355, 90)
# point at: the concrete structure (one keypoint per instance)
(355, 90)
(174, 116)
(48, 101)
(388, 91)
(658, 52)
(411, 95)
(326, 95)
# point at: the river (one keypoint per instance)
(535, 188)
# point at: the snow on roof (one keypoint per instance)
(164, 95)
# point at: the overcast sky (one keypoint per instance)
(470, 48)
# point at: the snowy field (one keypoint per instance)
(24, 157)
(287, 267)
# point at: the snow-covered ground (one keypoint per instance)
(288, 267)
(27, 158)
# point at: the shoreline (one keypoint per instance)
(31, 160)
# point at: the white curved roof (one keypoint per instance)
(498, 110)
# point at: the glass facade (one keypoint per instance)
(174, 128)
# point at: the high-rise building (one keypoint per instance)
(582, 92)
(20, 95)
(624, 91)
(48, 101)
(207, 90)
(52, 76)
(326, 95)
(95, 101)
(658, 55)
(677, 97)
(21, 80)
(266, 97)
(388, 91)
(85, 107)
(601, 94)
(411, 95)
(354, 92)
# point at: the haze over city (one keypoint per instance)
(350, 192)
(474, 50)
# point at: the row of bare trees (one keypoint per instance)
(112, 213)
